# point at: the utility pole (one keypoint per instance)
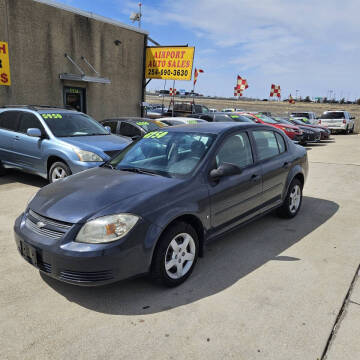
(140, 15)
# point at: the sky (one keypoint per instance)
(307, 47)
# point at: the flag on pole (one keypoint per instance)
(196, 74)
(275, 91)
(242, 83)
(291, 99)
(172, 92)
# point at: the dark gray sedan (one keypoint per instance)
(152, 208)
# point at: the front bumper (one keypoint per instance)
(87, 264)
(78, 166)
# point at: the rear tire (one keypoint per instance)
(352, 129)
(58, 170)
(293, 200)
(175, 255)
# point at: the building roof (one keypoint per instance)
(91, 15)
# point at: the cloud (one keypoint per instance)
(296, 42)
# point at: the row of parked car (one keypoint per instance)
(73, 141)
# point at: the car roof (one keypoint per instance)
(214, 127)
(39, 108)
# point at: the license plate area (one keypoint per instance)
(29, 253)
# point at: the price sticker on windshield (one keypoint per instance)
(51, 116)
(142, 123)
(155, 134)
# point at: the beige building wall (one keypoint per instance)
(39, 35)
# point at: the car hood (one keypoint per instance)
(97, 142)
(89, 193)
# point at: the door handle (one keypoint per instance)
(254, 178)
(286, 165)
(17, 138)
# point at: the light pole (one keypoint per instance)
(140, 15)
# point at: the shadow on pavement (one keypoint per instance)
(226, 261)
(16, 176)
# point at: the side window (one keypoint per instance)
(112, 125)
(266, 144)
(235, 150)
(9, 120)
(206, 117)
(129, 130)
(281, 143)
(222, 118)
(28, 121)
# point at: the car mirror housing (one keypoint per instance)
(34, 132)
(225, 169)
(108, 129)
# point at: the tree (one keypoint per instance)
(325, 100)
(342, 101)
(307, 99)
(358, 101)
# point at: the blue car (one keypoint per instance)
(53, 142)
(166, 196)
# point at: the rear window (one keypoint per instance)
(332, 115)
(300, 114)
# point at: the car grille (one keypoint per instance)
(112, 153)
(80, 276)
(51, 228)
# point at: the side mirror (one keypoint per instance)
(135, 137)
(225, 169)
(34, 132)
(108, 129)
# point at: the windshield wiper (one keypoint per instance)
(137, 170)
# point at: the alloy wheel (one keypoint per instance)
(295, 199)
(180, 255)
(58, 173)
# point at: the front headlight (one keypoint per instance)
(106, 229)
(88, 156)
(288, 129)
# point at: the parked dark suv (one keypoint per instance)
(152, 208)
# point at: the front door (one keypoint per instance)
(236, 198)
(75, 98)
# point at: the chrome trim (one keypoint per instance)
(42, 231)
(47, 221)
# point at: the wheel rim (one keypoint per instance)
(180, 256)
(295, 199)
(58, 173)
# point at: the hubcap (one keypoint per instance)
(180, 255)
(58, 173)
(295, 198)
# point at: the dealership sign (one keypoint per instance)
(4, 64)
(174, 63)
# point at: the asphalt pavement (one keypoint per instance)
(274, 289)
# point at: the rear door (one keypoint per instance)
(333, 119)
(29, 150)
(273, 156)
(236, 198)
(9, 122)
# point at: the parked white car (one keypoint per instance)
(338, 121)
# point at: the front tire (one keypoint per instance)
(58, 171)
(293, 200)
(176, 255)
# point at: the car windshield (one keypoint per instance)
(300, 114)
(284, 121)
(63, 124)
(149, 125)
(240, 118)
(171, 154)
(332, 115)
(266, 118)
(299, 122)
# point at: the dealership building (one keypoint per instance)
(59, 55)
